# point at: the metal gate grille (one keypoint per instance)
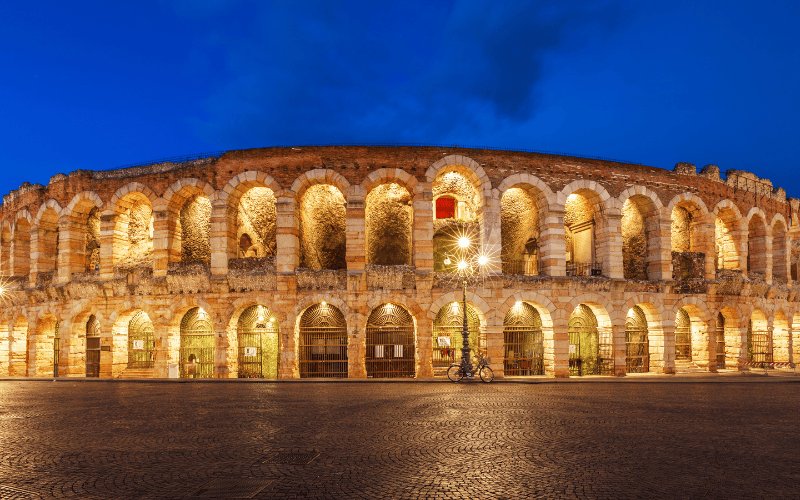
(323, 342)
(448, 338)
(590, 348)
(92, 347)
(258, 343)
(390, 342)
(56, 350)
(759, 345)
(637, 345)
(197, 345)
(683, 335)
(720, 342)
(523, 343)
(141, 343)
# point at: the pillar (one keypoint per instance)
(422, 237)
(551, 247)
(355, 233)
(219, 237)
(109, 242)
(287, 238)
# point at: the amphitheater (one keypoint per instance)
(334, 261)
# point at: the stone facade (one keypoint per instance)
(353, 228)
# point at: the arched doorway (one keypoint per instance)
(720, 341)
(257, 332)
(323, 342)
(92, 347)
(390, 342)
(197, 345)
(759, 340)
(683, 336)
(523, 342)
(141, 343)
(637, 344)
(56, 350)
(448, 337)
(583, 342)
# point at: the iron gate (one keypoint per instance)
(323, 342)
(720, 342)
(92, 347)
(141, 343)
(448, 335)
(390, 342)
(759, 345)
(523, 343)
(257, 332)
(197, 345)
(591, 350)
(637, 345)
(56, 350)
(683, 335)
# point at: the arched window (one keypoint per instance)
(257, 332)
(523, 342)
(323, 342)
(390, 342)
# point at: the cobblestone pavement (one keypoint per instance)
(413, 440)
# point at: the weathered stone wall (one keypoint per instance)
(681, 230)
(388, 225)
(322, 228)
(257, 219)
(519, 223)
(195, 219)
(93, 240)
(456, 185)
(634, 242)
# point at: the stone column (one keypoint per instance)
(669, 345)
(768, 257)
(287, 236)
(608, 244)
(71, 249)
(356, 345)
(424, 348)
(705, 234)
(422, 238)
(739, 347)
(355, 233)
(659, 246)
(491, 241)
(287, 365)
(219, 237)
(162, 226)
(109, 241)
(619, 336)
(36, 257)
(560, 364)
(226, 360)
(551, 245)
(494, 348)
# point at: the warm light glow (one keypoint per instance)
(272, 319)
(323, 303)
(482, 260)
(463, 242)
(447, 261)
(462, 265)
(519, 303)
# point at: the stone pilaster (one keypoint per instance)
(355, 233)
(494, 348)
(551, 246)
(287, 236)
(219, 237)
(109, 242)
(422, 238)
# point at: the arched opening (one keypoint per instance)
(446, 245)
(47, 242)
(21, 247)
(81, 240)
(197, 345)
(257, 333)
(519, 231)
(448, 335)
(256, 223)
(591, 350)
(759, 340)
(688, 257)
(92, 249)
(133, 232)
(40, 357)
(322, 228)
(194, 229)
(18, 355)
(390, 342)
(726, 251)
(721, 363)
(523, 341)
(639, 220)
(756, 247)
(92, 347)
(780, 338)
(637, 342)
(389, 218)
(780, 254)
(141, 342)
(683, 335)
(580, 234)
(323, 342)
(453, 183)
(5, 250)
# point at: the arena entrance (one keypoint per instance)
(197, 345)
(323, 342)
(141, 342)
(93, 347)
(523, 341)
(257, 332)
(683, 335)
(759, 344)
(390, 342)
(590, 350)
(448, 338)
(720, 342)
(637, 343)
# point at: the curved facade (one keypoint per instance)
(334, 262)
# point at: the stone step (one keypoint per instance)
(685, 366)
(137, 373)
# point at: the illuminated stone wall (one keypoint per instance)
(93, 240)
(195, 220)
(388, 225)
(456, 185)
(322, 228)
(681, 230)
(519, 222)
(634, 242)
(256, 220)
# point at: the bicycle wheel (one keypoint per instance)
(455, 373)
(487, 375)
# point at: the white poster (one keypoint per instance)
(572, 348)
(443, 341)
(378, 351)
(398, 351)
(138, 344)
(251, 351)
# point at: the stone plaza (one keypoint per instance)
(715, 436)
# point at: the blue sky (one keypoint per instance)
(99, 85)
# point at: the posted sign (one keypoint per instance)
(443, 341)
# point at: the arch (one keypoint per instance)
(637, 341)
(729, 337)
(133, 229)
(485, 312)
(476, 174)
(691, 336)
(44, 248)
(758, 234)
(319, 176)
(447, 334)
(641, 226)
(177, 194)
(18, 347)
(523, 215)
(20, 263)
(525, 179)
(388, 223)
(188, 225)
(257, 343)
(781, 252)
(781, 340)
(523, 341)
(133, 339)
(591, 349)
(49, 204)
(116, 207)
(728, 235)
(588, 231)
(323, 226)
(390, 342)
(41, 346)
(80, 221)
(81, 204)
(322, 342)
(389, 176)
(759, 338)
(688, 200)
(197, 344)
(240, 184)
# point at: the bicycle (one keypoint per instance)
(456, 372)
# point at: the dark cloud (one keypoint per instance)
(319, 72)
